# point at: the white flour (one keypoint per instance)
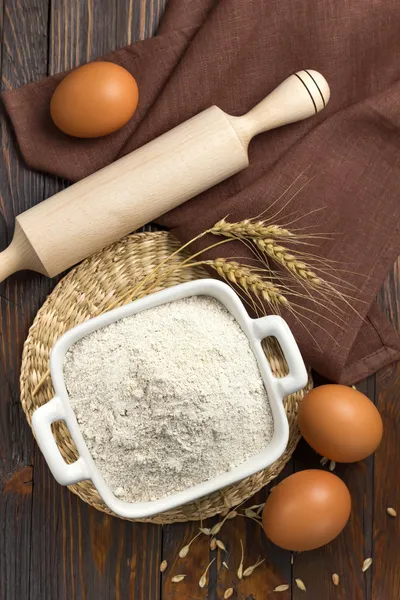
(168, 398)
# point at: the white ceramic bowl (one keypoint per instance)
(256, 330)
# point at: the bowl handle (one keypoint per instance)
(275, 326)
(42, 419)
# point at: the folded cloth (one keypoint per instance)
(232, 53)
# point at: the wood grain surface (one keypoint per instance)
(52, 545)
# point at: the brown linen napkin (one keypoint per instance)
(232, 53)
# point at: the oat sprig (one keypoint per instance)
(218, 526)
(240, 569)
(231, 515)
(205, 530)
(247, 572)
(185, 550)
(203, 578)
(260, 509)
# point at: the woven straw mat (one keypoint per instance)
(104, 281)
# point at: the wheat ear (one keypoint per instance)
(245, 278)
(249, 229)
(283, 257)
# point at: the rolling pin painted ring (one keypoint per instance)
(194, 156)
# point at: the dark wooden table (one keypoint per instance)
(52, 545)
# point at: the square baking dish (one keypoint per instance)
(256, 330)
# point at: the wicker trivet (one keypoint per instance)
(89, 289)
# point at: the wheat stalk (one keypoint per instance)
(263, 240)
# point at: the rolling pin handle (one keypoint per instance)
(300, 96)
(19, 255)
(9, 262)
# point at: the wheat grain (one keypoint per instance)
(217, 528)
(332, 465)
(335, 579)
(178, 578)
(221, 545)
(281, 588)
(300, 585)
(366, 564)
(163, 566)
(213, 544)
(231, 515)
(391, 511)
(228, 593)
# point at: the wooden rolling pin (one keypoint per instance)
(192, 157)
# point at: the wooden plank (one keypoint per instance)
(389, 296)
(344, 555)
(385, 568)
(386, 575)
(80, 31)
(24, 58)
(175, 537)
(94, 555)
(81, 553)
(138, 19)
(275, 571)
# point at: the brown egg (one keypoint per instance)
(340, 423)
(306, 510)
(94, 100)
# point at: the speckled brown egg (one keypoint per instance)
(94, 100)
(340, 423)
(306, 510)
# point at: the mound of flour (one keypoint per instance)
(168, 398)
